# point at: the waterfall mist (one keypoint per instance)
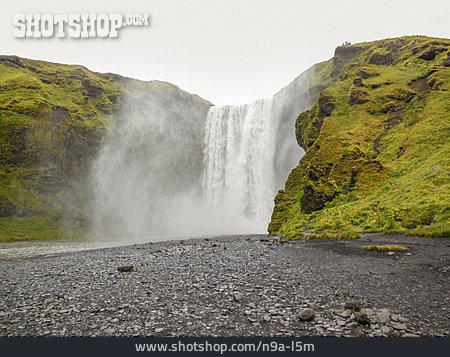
(174, 168)
(152, 160)
(249, 151)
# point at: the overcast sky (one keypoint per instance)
(227, 51)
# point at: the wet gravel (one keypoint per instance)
(230, 286)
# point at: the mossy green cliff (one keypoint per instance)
(53, 118)
(377, 150)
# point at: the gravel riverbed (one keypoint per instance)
(231, 286)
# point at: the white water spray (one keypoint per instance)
(239, 151)
(168, 172)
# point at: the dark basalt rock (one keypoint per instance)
(358, 82)
(90, 89)
(431, 53)
(343, 55)
(59, 115)
(306, 314)
(365, 73)
(126, 269)
(446, 61)
(363, 319)
(313, 200)
(326, 105)
(12, 61)
(382, 59)
(420, 84)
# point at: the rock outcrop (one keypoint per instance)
(376, 144)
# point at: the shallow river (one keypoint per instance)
(29, 249)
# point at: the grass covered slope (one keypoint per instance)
(377, 145)
(53, 118)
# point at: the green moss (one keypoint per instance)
(385, 248)
(35, 228)
(379, 161)
(332, 235)
(52, 119)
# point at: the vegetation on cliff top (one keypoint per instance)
(377, 150)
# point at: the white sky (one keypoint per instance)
(227, 51)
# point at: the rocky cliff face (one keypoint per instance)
(376, 142)
(53, 119)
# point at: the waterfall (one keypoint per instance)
(238, 156)
(248, 152)
(175, 166)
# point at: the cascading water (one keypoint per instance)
(238, 154)
(167, 171)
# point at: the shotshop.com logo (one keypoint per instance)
(75, 25)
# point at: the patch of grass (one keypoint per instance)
(35, 228)
(52, 119)
(326, 235)
(385, 248)
(332, 235)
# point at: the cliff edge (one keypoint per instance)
(376, 143)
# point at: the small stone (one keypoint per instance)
(109, 331)
(247, 312)
(410, 335)
(159, 329)
(402, 319)
(398, 326)
(408, 254)
(363, 319)
(126, 269)
(238, 296)
(377, 316)
(307, 314)
(346, 313)
(266, 317)
(390, 253)
(385, 329)
(356, 305)
(395, 317)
